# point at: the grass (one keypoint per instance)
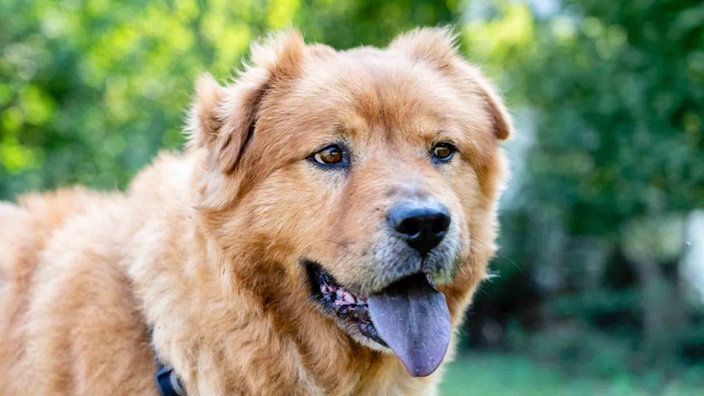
(506, 374)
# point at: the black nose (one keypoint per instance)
(422, 226)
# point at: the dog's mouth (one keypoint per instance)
(409, 316)
(349, 308)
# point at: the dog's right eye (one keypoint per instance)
(330, 156)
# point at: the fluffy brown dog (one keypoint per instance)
(321, 235)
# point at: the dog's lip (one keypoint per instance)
(314, 270)
(336, 300)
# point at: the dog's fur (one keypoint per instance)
(205, 247)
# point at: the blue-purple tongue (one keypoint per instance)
(411, 316)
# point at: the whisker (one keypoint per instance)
(501, 256)
(479, 289)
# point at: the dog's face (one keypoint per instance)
(368, 175)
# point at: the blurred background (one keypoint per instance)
(599, 283)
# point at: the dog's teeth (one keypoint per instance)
(348, 298)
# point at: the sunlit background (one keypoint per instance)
(599, 284)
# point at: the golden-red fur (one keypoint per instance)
(204, 247)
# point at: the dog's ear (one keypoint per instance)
(437, 47)
(205, 123)
(223, 119)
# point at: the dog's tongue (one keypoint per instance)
(412, 317)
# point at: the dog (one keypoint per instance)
(321, 234)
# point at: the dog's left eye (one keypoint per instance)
(332, 155)
(443, 152)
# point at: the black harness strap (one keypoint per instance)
(167, 380)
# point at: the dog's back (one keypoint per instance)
(25, 229)
(39, 306)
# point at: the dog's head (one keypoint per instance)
(370, 176)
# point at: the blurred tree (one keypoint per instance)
(618, 153)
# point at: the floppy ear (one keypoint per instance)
(223, 119)
(437, 47)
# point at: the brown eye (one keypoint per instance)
(331, 155)
(443, 152)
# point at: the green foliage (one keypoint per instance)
(615, 161)
(620, 131)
